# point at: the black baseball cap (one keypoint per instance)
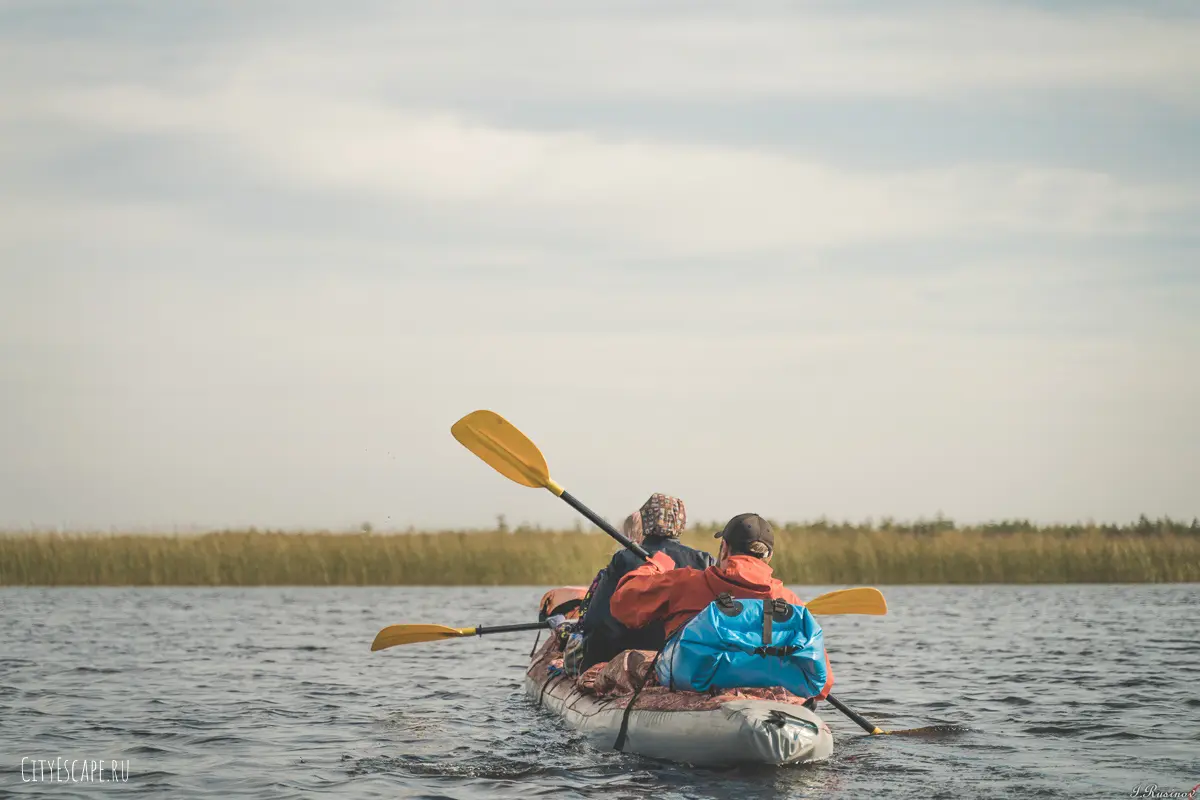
(743, 530)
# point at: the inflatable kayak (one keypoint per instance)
(751, 726)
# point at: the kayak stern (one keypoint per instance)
(737, 732)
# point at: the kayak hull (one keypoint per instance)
(746, 731)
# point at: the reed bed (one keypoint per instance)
(935, 552)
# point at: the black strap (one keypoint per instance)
(777, 610)
(545, 686)
(621, 736)
(786, 650)
(533, 649)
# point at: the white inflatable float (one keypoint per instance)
(738, 731)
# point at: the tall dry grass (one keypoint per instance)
(810, 553)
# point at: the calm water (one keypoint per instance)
(1084, 691)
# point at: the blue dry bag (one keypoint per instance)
(732, 645)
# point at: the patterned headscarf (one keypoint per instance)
(663, 515)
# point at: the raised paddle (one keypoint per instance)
(842, 601)
(512, 454)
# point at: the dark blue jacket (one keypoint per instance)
(603, 636)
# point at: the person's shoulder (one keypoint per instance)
(698, 558)
(787, 594)
(623, 561)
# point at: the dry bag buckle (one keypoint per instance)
(729, 607)
(786, 650)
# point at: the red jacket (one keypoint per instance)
(657, 590)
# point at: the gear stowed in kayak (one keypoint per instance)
(744, 643)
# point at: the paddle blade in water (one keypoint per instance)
(411, 634)
(930, 730)
(504, 448)
(863, 600)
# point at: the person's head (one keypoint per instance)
(663, 515)
(746, 535)
(632, 527)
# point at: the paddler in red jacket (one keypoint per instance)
(658, 590)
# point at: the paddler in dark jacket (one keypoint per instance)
(662, 592)
(662, 520)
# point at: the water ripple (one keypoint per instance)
(270, 693)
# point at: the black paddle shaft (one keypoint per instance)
(604, 526)
(858, 718)
(525, 626)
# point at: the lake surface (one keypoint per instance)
(1068, 691)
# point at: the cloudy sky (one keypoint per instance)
(848, 259)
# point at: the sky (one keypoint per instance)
(852, 260)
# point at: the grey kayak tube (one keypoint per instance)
(738, 732)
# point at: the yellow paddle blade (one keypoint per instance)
(862, 600)
(393, 635)
(505, 449)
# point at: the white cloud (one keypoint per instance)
(682, 52)
(670, 198)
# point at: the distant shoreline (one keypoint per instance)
(819, 553)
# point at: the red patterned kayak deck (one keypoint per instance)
(614, 682)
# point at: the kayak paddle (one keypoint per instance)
(411, 634)
(843, 601)
(512, 454)
(876, 731)
(862, 600)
